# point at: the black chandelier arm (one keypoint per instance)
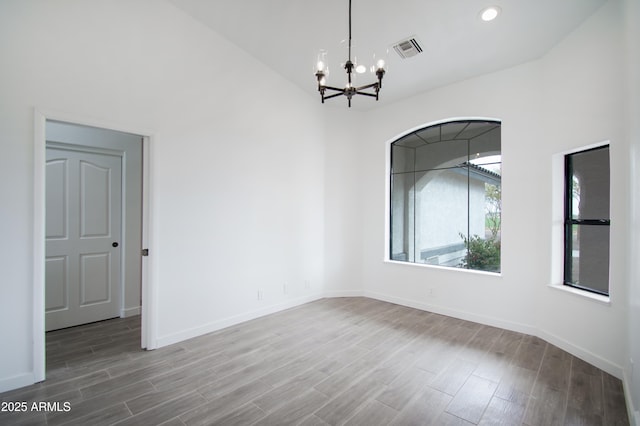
(368, 86)
(373, 95)
(340, 89)
(337, 89)
(346, 92)
(333, 96)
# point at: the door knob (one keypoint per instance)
(114, 244)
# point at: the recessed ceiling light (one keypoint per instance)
(490, 13)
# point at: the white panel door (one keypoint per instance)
(83, 231)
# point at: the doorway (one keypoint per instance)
(88, 143)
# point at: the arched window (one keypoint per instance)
(445, 201)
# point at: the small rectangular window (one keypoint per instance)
(587, 220)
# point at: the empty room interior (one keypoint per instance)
(292, 212)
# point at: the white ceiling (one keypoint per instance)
(287, 34)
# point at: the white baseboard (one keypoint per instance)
(237, 319)
(468, 316)
(16, 382)
(344, 293)
(583, 354)
(130, 312)
(603, 364)
(634, 414)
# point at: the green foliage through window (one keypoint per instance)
(482, 254)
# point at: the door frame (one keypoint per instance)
(148, 303)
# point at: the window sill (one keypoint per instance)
(444, 268)
(604, 300)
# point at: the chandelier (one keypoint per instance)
(349, 90)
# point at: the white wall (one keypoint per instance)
(571, 97)
(632, 21)
(584, 76)
(343, 200)
(237, 178)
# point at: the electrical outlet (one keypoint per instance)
(307, 284)
(431, 292)
(260, 295)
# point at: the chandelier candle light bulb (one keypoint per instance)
(321, 68)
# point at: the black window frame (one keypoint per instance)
(570, 221)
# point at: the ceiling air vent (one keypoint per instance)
(407, 48)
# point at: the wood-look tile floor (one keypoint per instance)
(353, 361)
